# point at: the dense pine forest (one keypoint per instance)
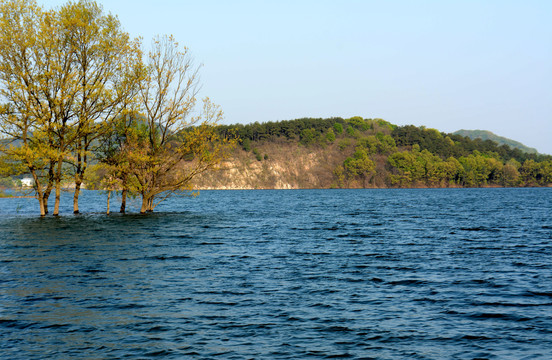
(363, 153)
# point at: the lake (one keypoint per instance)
(358, 274)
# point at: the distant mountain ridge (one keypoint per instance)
(488, 135)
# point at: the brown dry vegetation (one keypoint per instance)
(287, 165)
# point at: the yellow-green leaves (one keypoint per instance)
(71, 79)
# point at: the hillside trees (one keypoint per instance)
(359, 166)
(403, 156)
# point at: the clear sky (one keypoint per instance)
(449, 65)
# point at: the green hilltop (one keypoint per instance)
(488, 135)
(368, 153)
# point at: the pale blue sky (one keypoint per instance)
(448, 65)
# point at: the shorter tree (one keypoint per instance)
(171, 146)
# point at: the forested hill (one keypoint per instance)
(371, 153)
(488, 135)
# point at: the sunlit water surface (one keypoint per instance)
(373, 274)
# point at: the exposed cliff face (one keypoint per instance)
(285, 166)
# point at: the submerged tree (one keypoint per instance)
(63, 75)
(37, 88)
(107, 69)
(177, 146)
(67, 77)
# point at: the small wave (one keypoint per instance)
(118, 306)
(222, 303)
(247, 326)
(408, 282)
(160, 353)
(475, 337)
(479, 228)
(498, 316)
(55, 326)
(538, 293)
(336, 329)
(507, 304)
(487, 283)
(320, 305)
(339, 356)
(17, 324)
(324, 291)
(94, 271)
(157, 329)
(167, 257)
(428, 300)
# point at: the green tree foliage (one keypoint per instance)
(445, 145)
(360, 166)
(307, 136)
(62, 77)
(511, 176)
(359, 123)
(178, 146)
(406, 170)
(378, 144)
(68, 77)
(289, 129)
(330, 136)
(37, 87)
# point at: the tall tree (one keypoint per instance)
(64, 74)
(37, 87)
(178, 145)
(106, 62)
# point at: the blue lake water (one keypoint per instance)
(359, 274)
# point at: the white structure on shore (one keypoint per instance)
(27, 182)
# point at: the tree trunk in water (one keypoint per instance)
(78, 183)
(39, 194)
(58, 197)
(123, 201)
(108, 198)
(144, 207)
(58, 185)
(41, 203)
(45, 203)
(81, 168)
(46, 196)
(49, 187)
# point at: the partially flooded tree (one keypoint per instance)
(37, 88)
(106, 63)
(68, 76)
(128, 132)
(177, 146)
(63, 74)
